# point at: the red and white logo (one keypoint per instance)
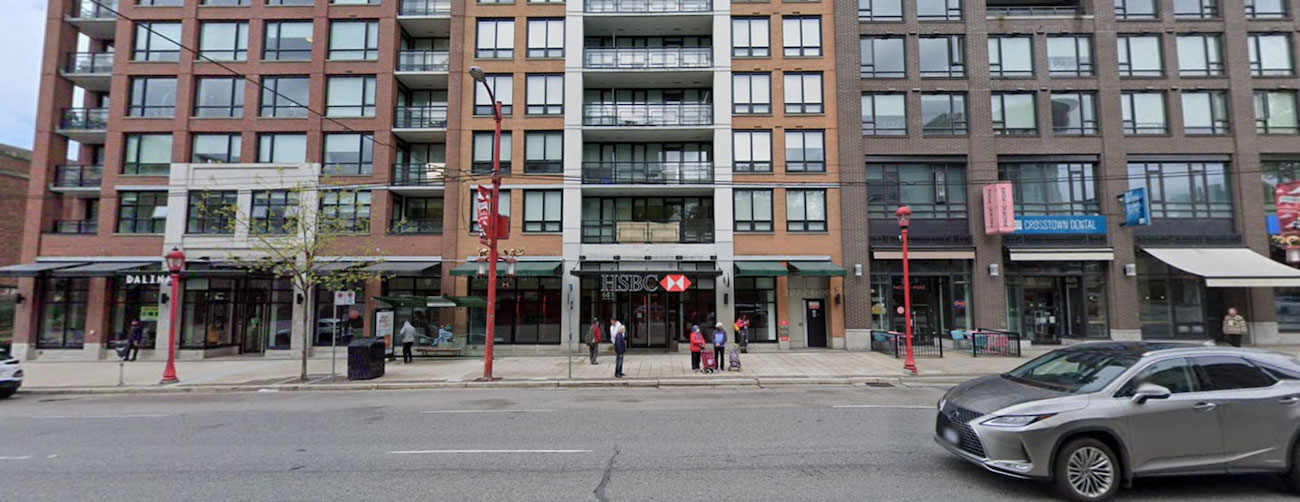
(675, 283)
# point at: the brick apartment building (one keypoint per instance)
(14, 166)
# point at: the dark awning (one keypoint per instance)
(760, 269)
(105, 269)
(522, 269)
(401, 267)
(596, 273)
(433, 301)
(818, 268)
(35, 269)
(337, 266)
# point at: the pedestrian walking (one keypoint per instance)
(719, 343)
(133, 340)
(1234, 327)
(408, 340)
(697, 346)
(619, 334)
(593, 338)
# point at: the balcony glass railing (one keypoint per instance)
(421, 117)
(647, 114)
(647, 232)
(89, 63)
(634, 6)
(77, 227)
(648, 57)
(650, 173)
(427, 174)
(423, 60)
(98, 9)
(84, 119)
(78, 176)
(425, 8)
(1033, 11)
(416, 226)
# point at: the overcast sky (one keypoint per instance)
(22, 30)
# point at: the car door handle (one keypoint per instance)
(1289, 401)
(1205, 406)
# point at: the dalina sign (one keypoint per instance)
(145, 279)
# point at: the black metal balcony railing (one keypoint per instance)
(647, 232)
(78, 176)
(98, 9)
(648, 57)
(1033, 11)
(425, 8)
(77, 227)
(650, 173)
(84, 119)
(423, 60)
(634, 6)
(420, 117)
(429, 174)
(89, 63)
(647, 114)
(416, 226)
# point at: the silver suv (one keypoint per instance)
(1092, 416)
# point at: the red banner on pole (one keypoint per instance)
(1287, 198)
(482, 211)
(999, 208)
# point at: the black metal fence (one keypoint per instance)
(993, 342)
(895, 344)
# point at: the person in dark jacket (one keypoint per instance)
(620, 345)
(133, 340)
(593, 338)
(719, 344)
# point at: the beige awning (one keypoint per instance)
(1062, 254)
(924, 254)
(1229, 267)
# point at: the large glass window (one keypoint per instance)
(215, 148)
(148, 154)
(1074, 113)
(152, 97)
(801, 36)
(141, 212)
(1069, 55)
(943, 114)
(882, 57)
(348, 154)
(1011, 56)
(1052, 188)
(941, 55)
(273, 212)
(750, 37)
(803, 93)
(1135, 9)
(938, 10)
(134, 302)
(880, 10)
(1184, 189)
(1270, 54)
(542, 210)
(931, 191)
(753, 210)
(1139, 56)
(528, 311)
(417, 215)
(219, 97)
(752, 151)
(1205, 112)
(546, 38)
(496, 39)
(354, 40)
(287, 41)
(282, 148)
(805, 210)
(884, 115)
(1267, 9)
(157, 41)
(1144, 113)
(481, 147)
(545, 95)
(1275, 112)
(345, 211)
(751, 93)
(223, 41)
(544, 152)
(285, 96)
(1014, 113)
(210, 212)
(350, 97)
(805, 151)
(1200, 55)
(756, 299)
(331, 325)
(503, 88)
(63, 312)
(1196, 9)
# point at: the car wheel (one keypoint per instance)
(1292, 474)
(7, 393)
(1086, 470)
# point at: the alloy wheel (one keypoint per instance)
(1090, 471)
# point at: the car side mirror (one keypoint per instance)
(1150, 391)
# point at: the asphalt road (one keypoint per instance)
(794, 443)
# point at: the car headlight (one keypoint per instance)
(1017, 420)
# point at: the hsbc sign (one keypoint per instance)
(631, 283)
(674, 283)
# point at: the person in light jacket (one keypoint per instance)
(1234, 327)
(619, 334)
(408, 340)
(697, 346)
(719, 344)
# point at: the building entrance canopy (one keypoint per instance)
(1229, 267)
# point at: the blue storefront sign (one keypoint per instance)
(1060, 224)
(1137, 207)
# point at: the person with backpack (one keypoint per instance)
(697, 346)
(719, 344)
(593, 339)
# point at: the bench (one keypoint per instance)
(441, 351)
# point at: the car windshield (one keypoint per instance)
(1074, 371)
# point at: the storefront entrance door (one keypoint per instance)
(815, 322)
(650, 318)
(1044, 309)
(929, 298)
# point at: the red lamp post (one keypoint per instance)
(904, 216)
(175, 262)
(491, 227)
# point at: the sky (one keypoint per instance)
(22, 38)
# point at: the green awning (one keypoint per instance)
(760, 269)
(432, 301)
(818, 268)
(522, 269)
(468, 301)
(466, 269)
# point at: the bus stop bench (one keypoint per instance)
(437, 351)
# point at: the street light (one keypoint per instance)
(491, 228)
(904, 216)
(175, 262)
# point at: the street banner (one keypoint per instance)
(999, 208)
(1060, 225)
(482, 211)
(1137, 207)
(1287, 198)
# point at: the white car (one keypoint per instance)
(11, 376)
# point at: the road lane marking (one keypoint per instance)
(435, 412)
(24, 457)
(141, 415)
(885, 406)
(420, 452)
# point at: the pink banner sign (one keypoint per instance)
(999, 209)
(1287, 198)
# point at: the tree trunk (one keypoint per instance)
(307, 303)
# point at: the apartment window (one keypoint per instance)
(884, 115)
(1011, 56)
(943, 114)
(801, 36)
(1270, 54)
(1144, 112)
(1205, 112)
(803, 93)
(282, 148)
(941, 56)
(545, 94)
(350, 97)
(354, 40)
(148, 154)
(284, 97)
(931, 191)
(1135, 9)
(152, 97)
(503, 207)
(273, 211)
(751, 93)
(542, 210)
(1139, 56)
(482, 150)
(157, 41)
(805, 210)
(938, 10)
(215, 149)
(1184, 189)
(210, 212)
(545, 38)
(141, 212)
(1275, 112)
(345, 211)
(544, 152)
(1052, 188)
(291, 2)
(355, 2)
(219, 97)
(752, 151)
(348, 154)
(417, 215)
(496, 39)
(1074, 113)
(1267, 9)
(1014, 113)
(805, 151)
(753, 210)
(882, 57)
(160, 3)
(750, 37)
(287, 41)
(1069, 55)
(1200, 55)
(503, 88)
(880, 10)
(223, 41)
(1196, 9)
(227, 3)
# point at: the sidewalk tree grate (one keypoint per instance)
(879, 384)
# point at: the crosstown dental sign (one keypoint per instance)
(1060, 224)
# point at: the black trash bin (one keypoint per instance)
(365, 359)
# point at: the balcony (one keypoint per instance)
(95, 19)
(654, 58)
(416, 226)
(431, 174)
(77, 178)
(647, 173)
(92, 71)
(84, 125)
(421, 123)
(646, 6)
(423, 69)
(647, 232)
(425, 18)
(76, 227)
(647, 114)
(1033, 8)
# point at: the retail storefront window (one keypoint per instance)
(209, 305)
(63, 313)
(134, 302)
(941, 295)
(1172, 301)
(425, 320)
(756, 298)
(528, 311)
(1049, 301)
(327, 318)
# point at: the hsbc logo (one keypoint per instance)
(631, 283)
(675, 283)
